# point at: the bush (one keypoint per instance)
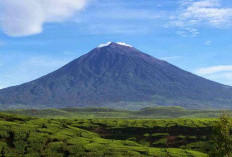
(222, 137)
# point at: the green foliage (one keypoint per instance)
(222, 137)
(160, 143)
(201, 146)
(157, 112)
(34, 137)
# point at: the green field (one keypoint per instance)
(60, 137)
(157, 112)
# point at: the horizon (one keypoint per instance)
(192, 35)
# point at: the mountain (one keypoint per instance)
(118, 75)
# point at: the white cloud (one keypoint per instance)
(182, 33)
(209, 11)
(221, 73)
(188, 32)
(26, 17)
(208, 42)
(214, 69)
(171, 58)
(193, 14)
(225, 78)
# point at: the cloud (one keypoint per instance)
(171, 58)
(208, 42)
(221, 73)
(182, 33)
(214, 69)
(26, 17)
(225, 78)
(206, 11)
(188, 32)
(192, 14)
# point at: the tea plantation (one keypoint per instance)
(40, 137)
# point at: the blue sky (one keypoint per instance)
(37, 37)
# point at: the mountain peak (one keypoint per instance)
(114, 43)
(119, 76)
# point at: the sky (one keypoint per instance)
(39, 36)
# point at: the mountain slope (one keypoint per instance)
(116, 73)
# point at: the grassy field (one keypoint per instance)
(146, 113)
(56, 137)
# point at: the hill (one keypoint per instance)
(118, 76)
(158, 112)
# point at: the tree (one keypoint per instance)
(222, 137)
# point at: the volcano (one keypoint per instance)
(118, 75)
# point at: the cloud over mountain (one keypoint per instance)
(220, 72)
(26, 17)
(215, 69)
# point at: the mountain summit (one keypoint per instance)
(120, 76)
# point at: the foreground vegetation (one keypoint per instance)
(222, 137)
(52, 134)
(27, 136)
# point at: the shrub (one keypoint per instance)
(222, 137)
